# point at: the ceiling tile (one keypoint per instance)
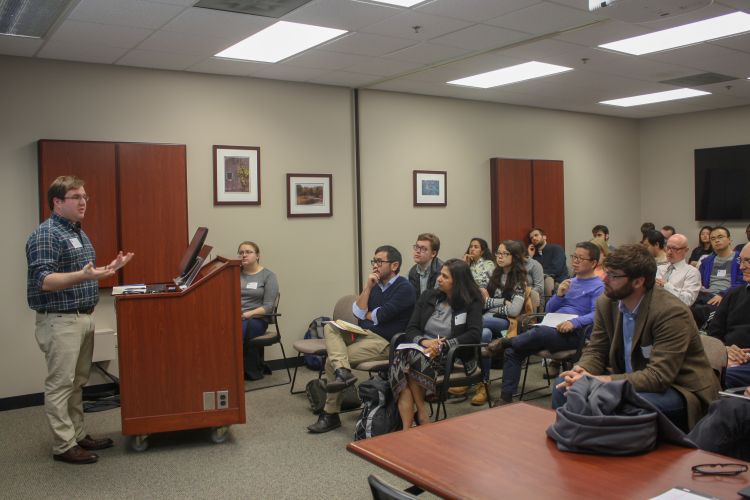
(481, 37)
(474, 10)
(603, 32)
(402, 25)
(738, 42)
(105, 34)
(136, 13)
(343, 78)
(707, 57)
(383, 67)
(367, 45)
(217, 23)
(158, 60)
(427, 53)
(341, 14)
(19, 46)
(281, 72)
(227, 67)
(84, 52)
(184, 43)
(323, 59)
(707, 12)
(544, 18)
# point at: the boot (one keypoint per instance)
(480, 397)
(458, 391)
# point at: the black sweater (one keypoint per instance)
(731, 323)
(469, 332)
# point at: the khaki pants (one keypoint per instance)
(345, 351)
(67, 341)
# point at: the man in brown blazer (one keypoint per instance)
(647, 336)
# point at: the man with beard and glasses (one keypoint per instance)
(645, 335)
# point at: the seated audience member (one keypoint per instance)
(448, 316)
(258, 291)
(503, 299)
(720, 272)
(645, 228)
(600, 231)
(655, 243)
(383, 309)
(645, 335)
(731, 325)
(480, 261)
(603, 252)
(574, 296)
(738, 248)
(549, 255)
(677, 276)
(726, 428)
(704, 246)
(668, 232)
(423, 274)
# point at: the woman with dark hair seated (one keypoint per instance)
(703, 248)
(444, 317)
(479, 258)
(258, 292)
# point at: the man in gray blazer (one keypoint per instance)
(647, 336)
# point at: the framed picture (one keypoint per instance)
(309, 195)
(236, 175)
(430, 188)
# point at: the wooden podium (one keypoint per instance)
(180, 356)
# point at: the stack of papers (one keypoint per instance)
(128, 289)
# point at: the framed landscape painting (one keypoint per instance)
(236, 175)
(430, 188)
(309, 195)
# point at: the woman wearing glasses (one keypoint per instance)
(479, 259)
(258, 291)
(444, 317)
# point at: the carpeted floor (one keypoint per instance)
(272, 456)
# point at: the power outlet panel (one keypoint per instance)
(222, 400)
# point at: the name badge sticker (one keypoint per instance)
(646, 351)
(460, 319)
(252, 286)
(75, 243)
(721, 273)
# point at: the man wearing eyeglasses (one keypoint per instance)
(575, 296)
(62, 288)
(720, 272)
(423, 274)
(677, 276)
(383, 309)
(731, 325)
(645, 335)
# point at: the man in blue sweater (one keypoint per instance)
(574, 296)
(383, 308)
(720, 273)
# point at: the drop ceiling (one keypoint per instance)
(416, 50)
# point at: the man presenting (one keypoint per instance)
(383, 308)
(647, 337)
(426, 268)
(677, 276)
(62, 288)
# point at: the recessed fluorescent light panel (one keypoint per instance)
(688, 34)
(669, 95)
(400, 3)
(511, 74)
(279, 41)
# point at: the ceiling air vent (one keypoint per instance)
(30, 18)
(265, 8)
(699, 80)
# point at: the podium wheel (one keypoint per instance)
(139, 443)
(219, 434)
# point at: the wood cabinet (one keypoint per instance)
(138, 201)
(526, 194)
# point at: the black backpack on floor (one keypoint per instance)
(379, 410)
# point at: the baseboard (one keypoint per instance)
(37, 399)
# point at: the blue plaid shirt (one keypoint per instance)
(59, 246)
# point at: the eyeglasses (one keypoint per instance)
(608, 275)
(675, 249)
(719, 469)
(576, 258)
(743, 260)
(502, 254)
(78, 197)
(378, 262)
(420, 249)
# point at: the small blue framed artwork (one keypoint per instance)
(430, 188)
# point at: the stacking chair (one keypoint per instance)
(272, 336)
(716, 352)
(384, 491)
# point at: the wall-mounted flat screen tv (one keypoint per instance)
(722, 178)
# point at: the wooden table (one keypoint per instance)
(504, 453)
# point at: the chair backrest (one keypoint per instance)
(536, 300)
(526, 310)
(273, 319)
(343, 309)
(384, 491)
(717, 355)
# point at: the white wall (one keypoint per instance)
(667, 165)
(300, 128)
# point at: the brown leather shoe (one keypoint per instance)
(89, 443)
(77, 455)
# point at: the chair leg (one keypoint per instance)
(294, 377)
(523, 385)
